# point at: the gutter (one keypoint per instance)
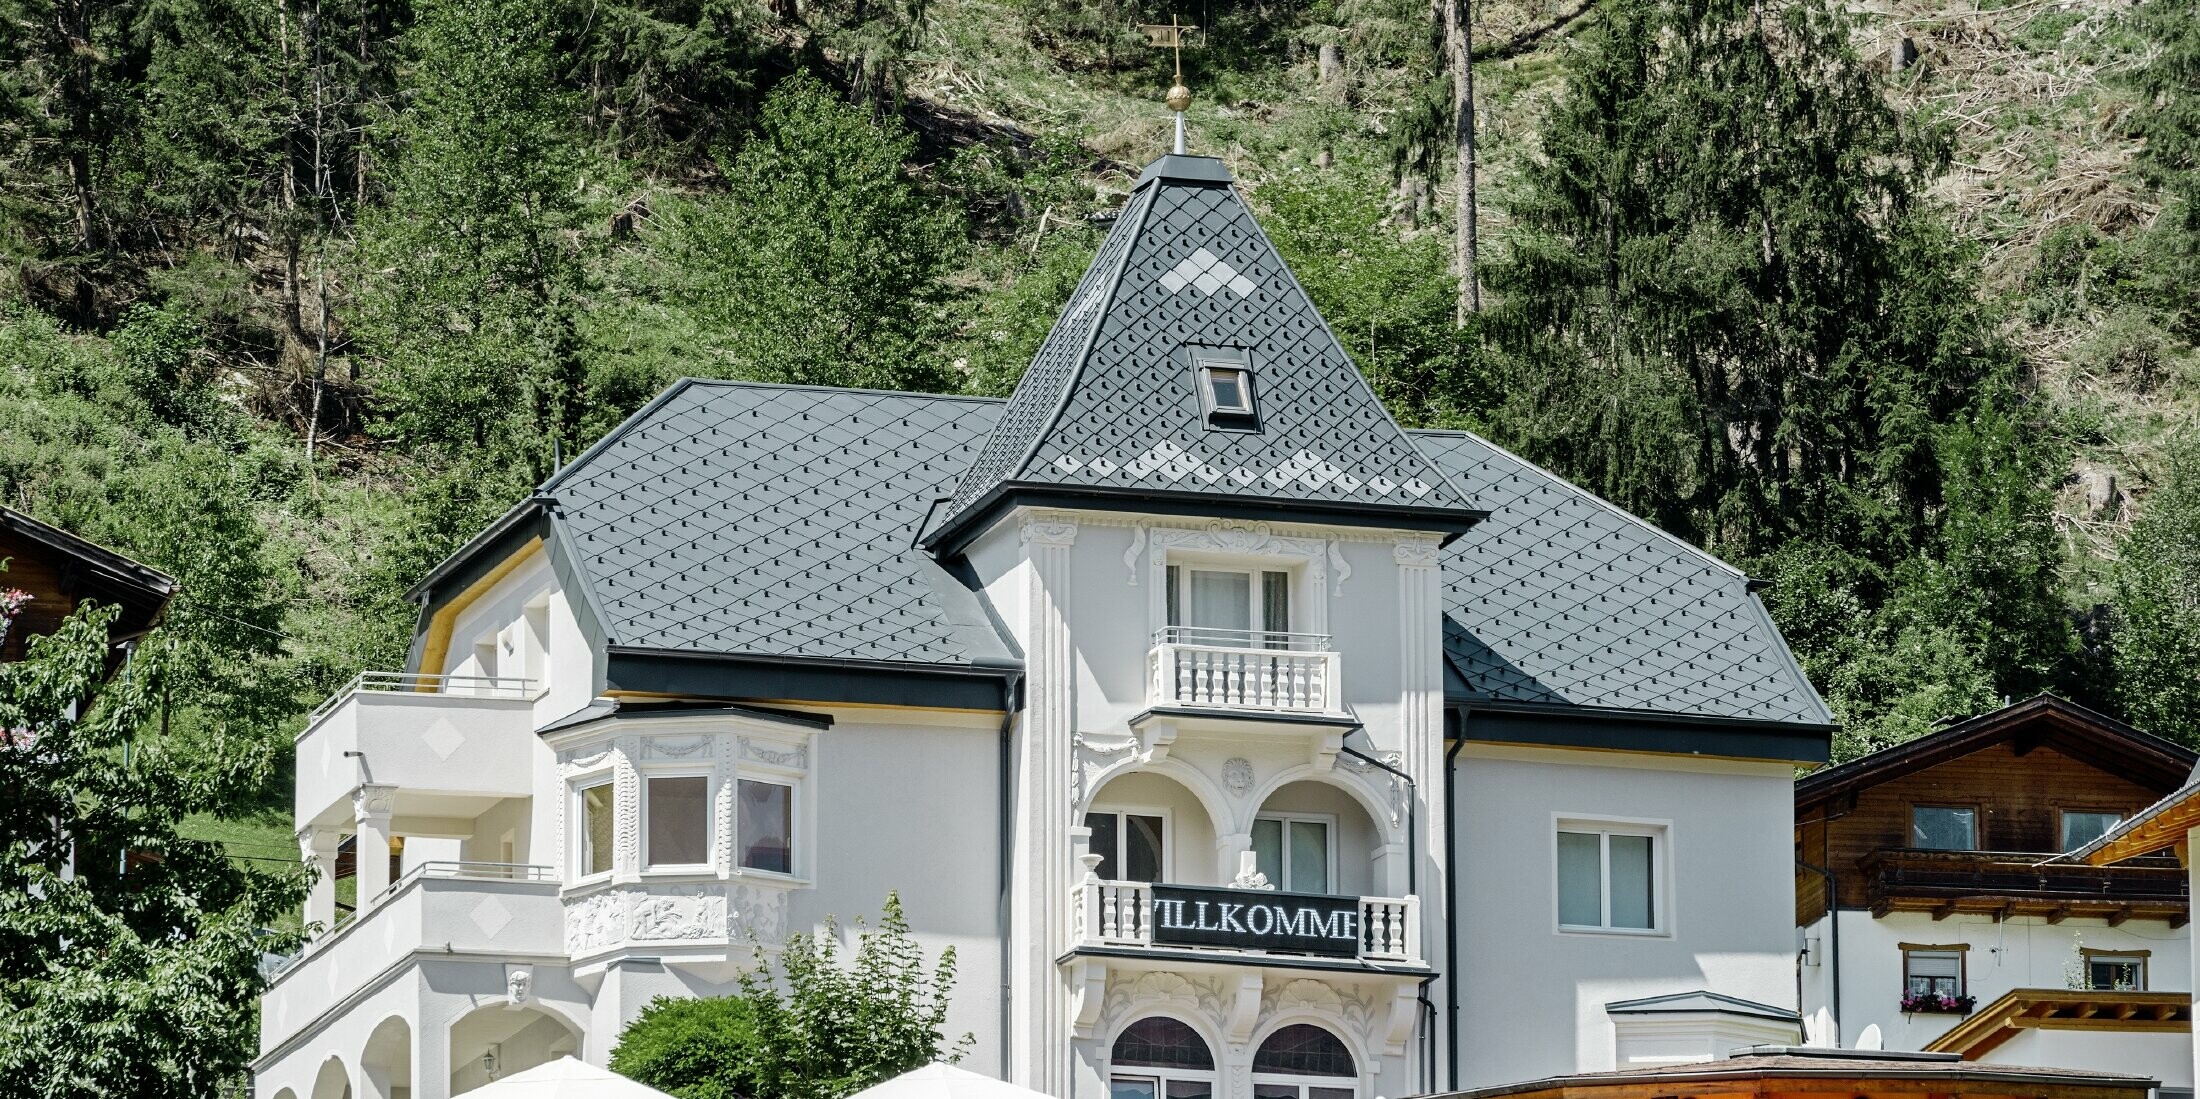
(1451, 895)
(1413, 878)
(1833, 946)
(1005, 871)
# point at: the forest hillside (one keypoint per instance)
(1892, 304)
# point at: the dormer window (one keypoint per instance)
(1225, 382)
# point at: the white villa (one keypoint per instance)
(1241, 742)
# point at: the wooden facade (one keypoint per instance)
(2018, 770)
(61, 571)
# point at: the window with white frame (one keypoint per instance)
(596, 807)
(1220, 605)
(1294, 851)
(764, 825)
(1927, 971)
(1132, 846)
(1608, 877)
(1304, 1061)
(1160, 1058)
(676, 814)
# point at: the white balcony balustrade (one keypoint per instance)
(1121, 914)
(464, 737)
(1269, 671)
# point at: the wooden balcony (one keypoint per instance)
(2018, 883)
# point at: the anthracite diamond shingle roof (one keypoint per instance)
(1111, 402)
(1560, 598)
(752, 519)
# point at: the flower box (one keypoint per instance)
(1933, 1003)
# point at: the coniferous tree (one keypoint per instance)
(2156, 599)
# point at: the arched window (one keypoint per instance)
(1303, 1061)
(1160, 1058)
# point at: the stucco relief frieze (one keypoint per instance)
(626, 805)
(1340, 567)
(1050, 529)
(574, 760)
(668, 747)
(1415, 551)
(797, 757)
(1237, 775)
(1092, 761)
(609, 918)
(1137, 550)
(1131, 998)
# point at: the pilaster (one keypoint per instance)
(1042, 1054)
(1421, 724)
(370, 812)
(318, 846)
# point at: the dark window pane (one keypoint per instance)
(679, 821)
(1328, 1093)
(1142, 848)
(1937, 828)
(1633, 900)
(1268, 849)
(1303, 1049)
(1581, 879)
(1131, 1087)
(766, 826)
(1228, 387)
(1104, 840)
(1176, 611)
(1158, 1041)
(1275, 606)
(1275, 1091)
(1191, 1089)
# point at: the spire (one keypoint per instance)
(1190, 374)
(1179, 97)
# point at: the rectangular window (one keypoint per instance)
(1293, 853)
(2116, 972)
(1943, 828)
(2083, 826)
(596, 824)
(764, 820)
(1932, 973)
(1607, 880)
(1130, 845)
(678, 810)
(1230, 606)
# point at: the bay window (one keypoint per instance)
(764, 825)
(597, 824)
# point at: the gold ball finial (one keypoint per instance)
(1180, 97)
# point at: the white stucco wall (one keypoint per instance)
(2020, 952)
(2166, 1057)
(1532, 997)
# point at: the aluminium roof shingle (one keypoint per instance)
(754, 519)
(1559, 598)
(1111, 401)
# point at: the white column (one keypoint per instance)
(318, 846)
(1041, 1054)
(370, 811)
(1421, 729)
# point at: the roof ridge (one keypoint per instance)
(811, 387)
(1624, 514)
(1112, 283)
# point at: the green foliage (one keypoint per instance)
(694, 1048)
(2167, 118)
(817, 1028)
(137, 982)
(472, 277)
(2156, 601)
(821, 263)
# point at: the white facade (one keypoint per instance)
(504, 946)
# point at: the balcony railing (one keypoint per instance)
(478, 871)
(1244, 670)
(478, 686)
(1121, 913)
(2023, 883)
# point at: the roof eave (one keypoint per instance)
(965, 526)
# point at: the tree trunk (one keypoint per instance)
(1459, 46)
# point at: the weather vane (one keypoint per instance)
(1171, 36)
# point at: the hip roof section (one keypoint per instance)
(1111, 406)
(762, 520)
(1562, 599)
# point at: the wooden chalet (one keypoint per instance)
(1966, 819)
(60, 572)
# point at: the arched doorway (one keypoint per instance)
(1158, 1057)
(333, 1081)
(385, 1065)
(1304, 1061)
(493, 1042)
